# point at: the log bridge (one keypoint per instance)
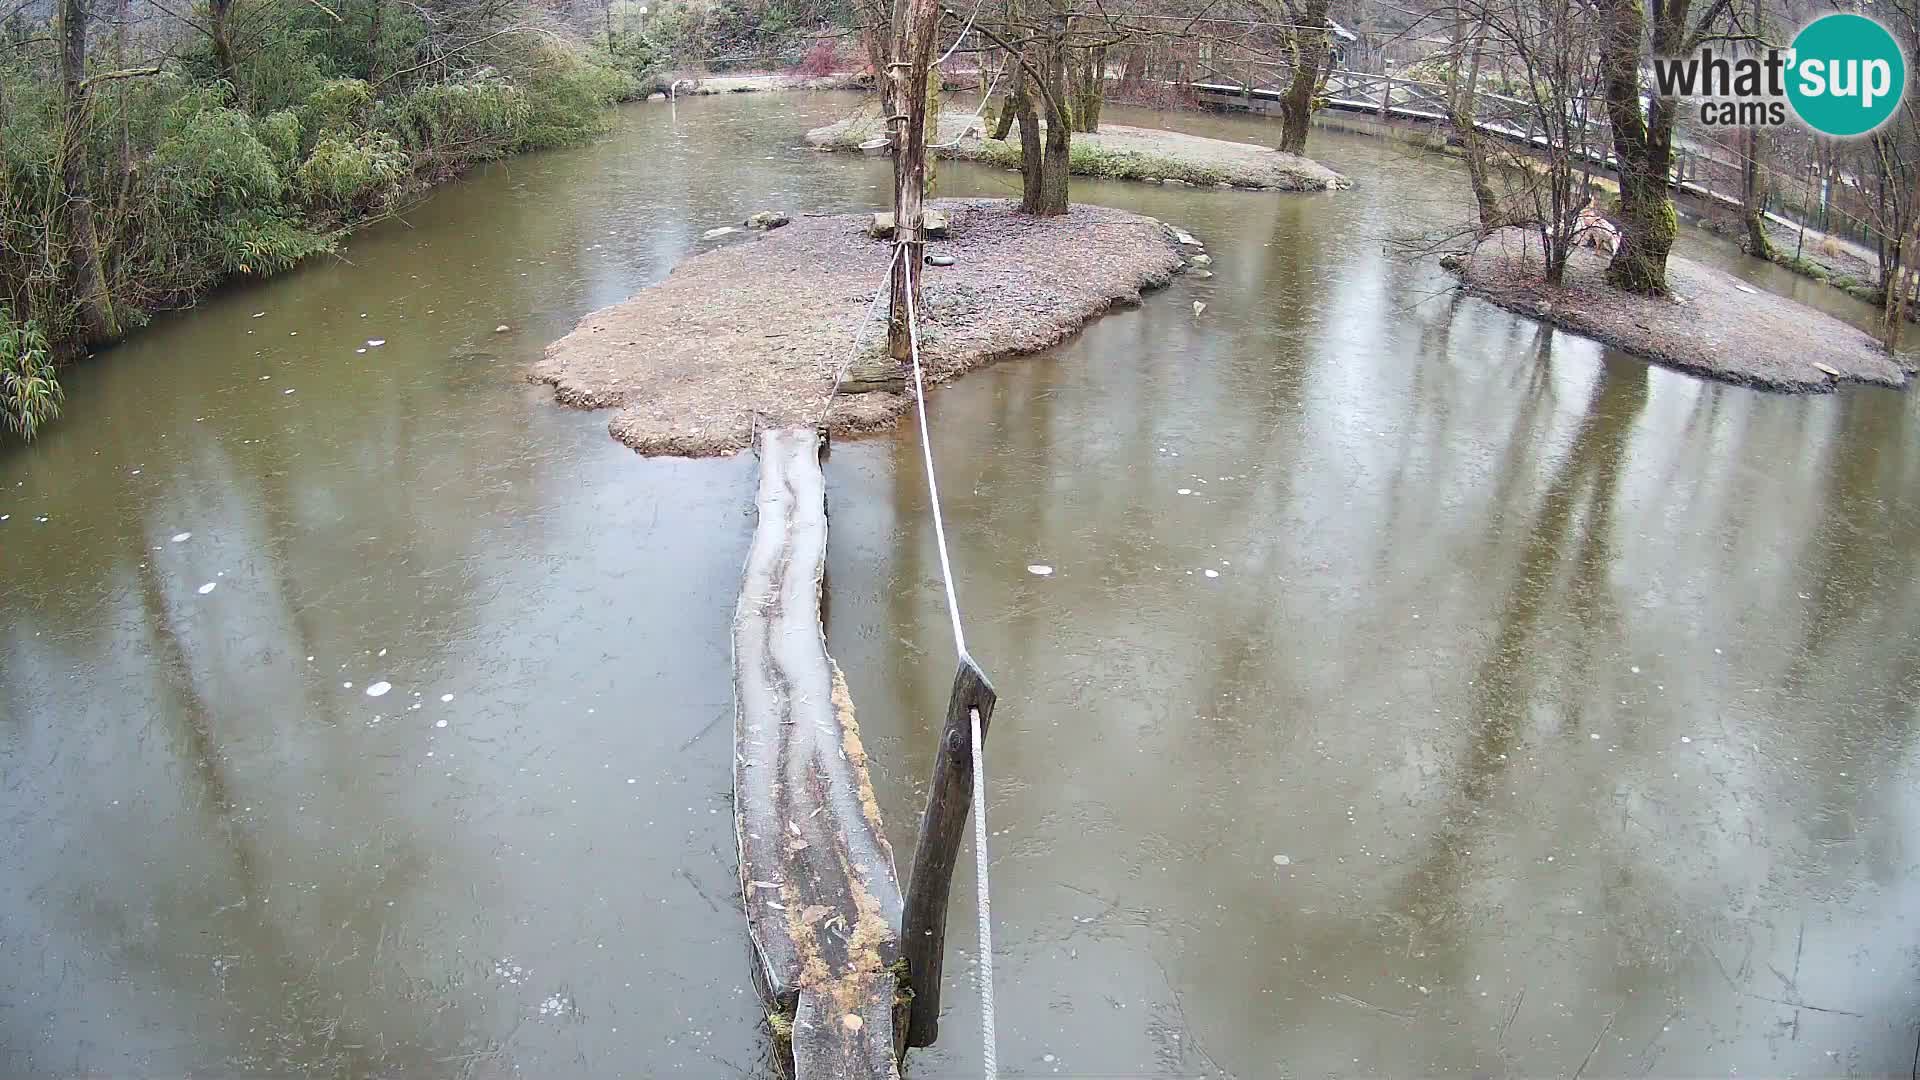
(847, 988)
(816, 872)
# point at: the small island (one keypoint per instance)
(1709, 322)
(1114, 152)
(754, 333)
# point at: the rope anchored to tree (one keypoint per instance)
(932, 869)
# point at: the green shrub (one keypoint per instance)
(464, 121)
(29, 394)
(568, 99)
(341, 105)
(351, 176)
(214, 161)
(264, 242)
(280, 133)
(287, 65)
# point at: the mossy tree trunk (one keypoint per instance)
(1309, 49)
(1041, 90)
(94, 300)
(1089, 88)
(1753, 206)
(1016, 96)
(1032, 160)
(1643, 139)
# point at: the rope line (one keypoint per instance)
(926, 451)
(982, 902)
(964, 31)
(977, 114)
(853, 350)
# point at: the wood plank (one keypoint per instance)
(817, 877)
(944, 825)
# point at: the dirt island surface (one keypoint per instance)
(1711, 323)
(1115, 152)
(754, 333)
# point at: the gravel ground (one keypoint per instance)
(1712, 325)
(753, 333)
(1116, 152)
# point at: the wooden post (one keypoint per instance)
(923, 932)
(912, 55)
(1386, 96)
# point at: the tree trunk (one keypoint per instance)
(907, 73)
(1010, 108)
(1089, 88)
(376, 29)
(1032, 158)
(1133, 69)
(1893, 312)
(1463, 105)
(1053, 175)
(877, 40)
(1309, 53)
(1052, 200)
(218, 30)
(1643, 148)
(1754, 200)
(123, 156)
(98, 321)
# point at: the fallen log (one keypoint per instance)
(817, 876)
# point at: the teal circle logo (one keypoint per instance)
(1848, 75)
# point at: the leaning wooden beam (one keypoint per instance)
(924, 933)
(816, 871)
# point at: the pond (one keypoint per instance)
(1417, 689)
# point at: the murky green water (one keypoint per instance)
(1548, 714)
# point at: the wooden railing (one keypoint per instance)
(1390, 97)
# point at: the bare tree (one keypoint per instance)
(1545, 44)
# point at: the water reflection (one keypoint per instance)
(1541, 711)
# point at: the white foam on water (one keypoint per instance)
(1040, 570)
(439, 723)
(1184, 491)
(446, 697)
(181, 538)
(208, 587)
(379, 689)
(1213, 573)
(374, 343)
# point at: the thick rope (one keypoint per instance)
(964, 31)
(982, 903)
(926, 450)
